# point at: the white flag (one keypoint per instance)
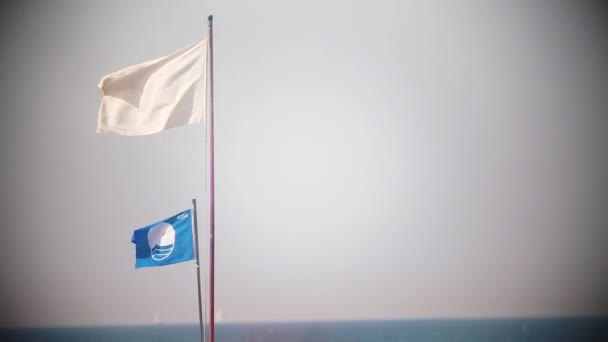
(156, 95)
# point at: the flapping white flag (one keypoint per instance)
(156, 95)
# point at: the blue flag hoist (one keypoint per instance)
(165, 242)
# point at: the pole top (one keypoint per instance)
(210, 18)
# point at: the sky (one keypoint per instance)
(374, 160)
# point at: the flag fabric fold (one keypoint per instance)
(165, 242)
(156, 95)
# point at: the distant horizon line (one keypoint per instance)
(226, 323)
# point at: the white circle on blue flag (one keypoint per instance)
(161, 240)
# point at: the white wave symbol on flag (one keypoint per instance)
(161, 240)
(161, 252)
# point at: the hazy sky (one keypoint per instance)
(375, 159)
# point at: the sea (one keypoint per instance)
(495, 330)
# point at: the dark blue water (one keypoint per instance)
(498, 330)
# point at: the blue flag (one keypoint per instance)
(164, 243)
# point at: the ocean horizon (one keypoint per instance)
(423, 330)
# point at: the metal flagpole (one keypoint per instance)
(198, 271)
(211, 191)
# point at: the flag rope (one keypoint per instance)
(198, 270)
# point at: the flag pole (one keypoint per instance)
(211, 191)
(198, 272)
